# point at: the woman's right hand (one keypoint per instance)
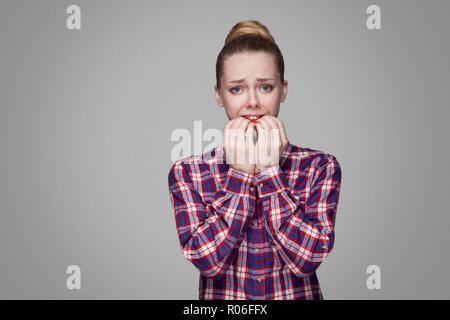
(237, 143)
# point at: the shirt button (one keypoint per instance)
(251, 188)
(257, 250)
(255, 223)
(259, 280)
(260, 185)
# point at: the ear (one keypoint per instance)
(284, 90)
(218, 97)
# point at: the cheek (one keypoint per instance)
(234, 102)
(232, 108)
(272, 104)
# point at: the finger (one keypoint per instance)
(266, 132)
(225, 134)
(258, 128)
(224, 138)
(275, 133)
(227, 126)
(272, 120)
(263, 137)
(265, 123)
(252, 128)
(244, 124)
(263, 145)
(230, 145)
(249, 143)
(236, 122)
(283, 135)
(240, 145)
(234, 125)
(249, 130)
(275, 146)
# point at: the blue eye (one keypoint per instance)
(235, 88)
(267, 86)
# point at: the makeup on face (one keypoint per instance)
(253, 117)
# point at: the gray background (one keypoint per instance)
(86, 118)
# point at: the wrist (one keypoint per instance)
(238, 183)
(271, 180)
(246, 170)
(262, 167)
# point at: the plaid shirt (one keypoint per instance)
(256, 236)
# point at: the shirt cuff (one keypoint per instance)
(239, 183)
(270, 181)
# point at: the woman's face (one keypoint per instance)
(250, 85)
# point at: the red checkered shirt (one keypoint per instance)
(259, 236)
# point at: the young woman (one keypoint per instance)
(257, 228)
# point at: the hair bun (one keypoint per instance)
(249, 27)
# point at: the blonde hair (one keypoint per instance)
(249, 35)
(249, 27)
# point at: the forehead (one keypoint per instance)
(250, 64)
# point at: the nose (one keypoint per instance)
(252, 102)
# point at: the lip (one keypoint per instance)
(253, 117)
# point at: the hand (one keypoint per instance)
(272, 141)
(237, 142)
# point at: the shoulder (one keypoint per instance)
(311, 157)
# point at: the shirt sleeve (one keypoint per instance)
(302, 232)
(210, 234)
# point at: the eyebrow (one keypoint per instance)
(257, 79)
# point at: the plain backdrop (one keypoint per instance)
(86, 118)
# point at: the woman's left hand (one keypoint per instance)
(272, 141)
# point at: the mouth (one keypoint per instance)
(252, 118)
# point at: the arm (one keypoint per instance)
(303, 233)
(209, 233)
